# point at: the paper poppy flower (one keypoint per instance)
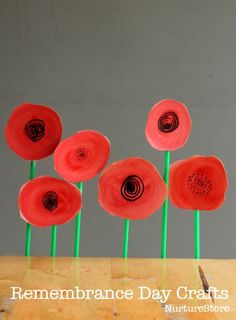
(168, 125)
(46, 201)
(33, 131)
(82, 156)
(131, 188)
(198, 183)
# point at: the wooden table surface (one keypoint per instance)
(113, 273)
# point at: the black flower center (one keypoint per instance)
(50, 200)
(35, 129)
(168, 122)
(199, 184)
(80, 154)
(132, 188)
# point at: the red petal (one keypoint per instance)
(131, 188)
(168, 125)
(46, 201)
(82, 156)
(33, 131)
(198, 183)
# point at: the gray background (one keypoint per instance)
(102, 65)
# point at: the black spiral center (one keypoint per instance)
(168, 122)
(35, 129)
(132, 188)
(199, 184)
(50, 200)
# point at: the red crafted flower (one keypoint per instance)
(131, 188)
(46, 201)
(168, 125)
(198, 183)
(33, 131)
(82, 156)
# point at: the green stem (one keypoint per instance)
(28, 226)
(32, 169)
(197, 234)
(165, 207)
(27, 240)
(126, 238)
(78, 227)
(54, 241)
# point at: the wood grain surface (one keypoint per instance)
(116, 274)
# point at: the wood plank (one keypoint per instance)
(130, 274)
(116, 274)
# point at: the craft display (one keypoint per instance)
(33, 132)
(168, 125)
(168, 128)
(46, 201)
(80, 158)
(131, 189)
(198, 183)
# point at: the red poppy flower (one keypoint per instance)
(131, 188)
(168, 125)
(82, 156)
(198, 183)
(46, 201)
(33, 131)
